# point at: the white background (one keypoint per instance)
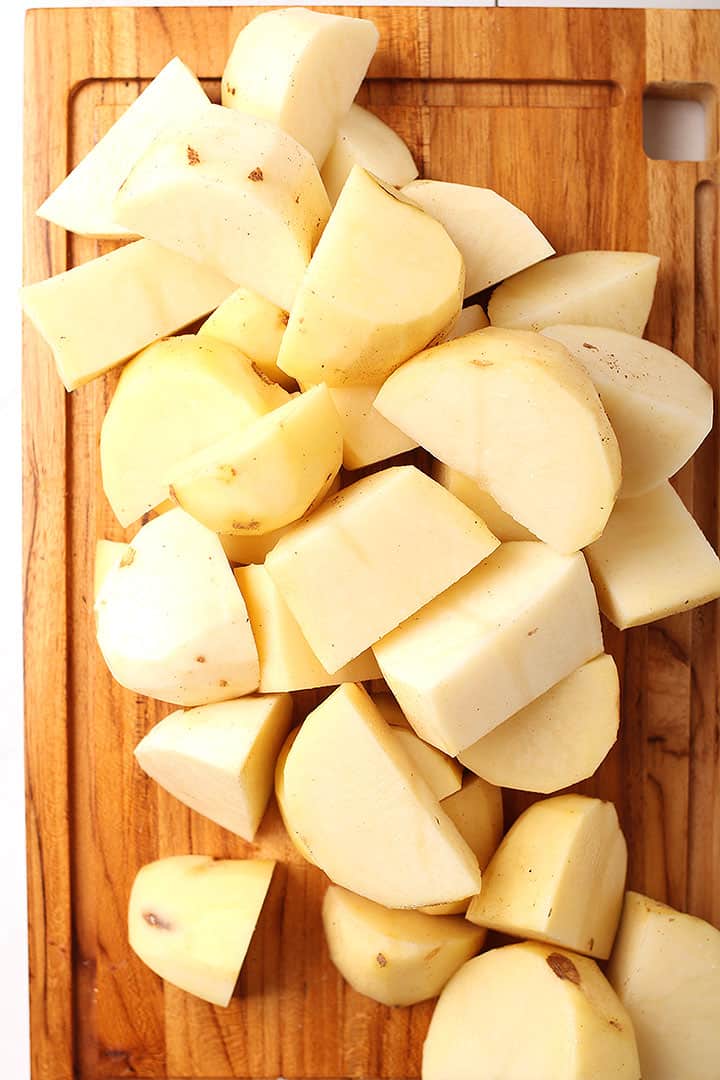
(13, 937)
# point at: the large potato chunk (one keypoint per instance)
(171, 620)
(481, 502)
(255, 326)
(98, 315)
(495, 238)
(345, 776)
(220, 759)
(367, 436)
(558, 876)
(558, 739)
(665, 969)
(521, 419)
(174, 399)
(652, 560)
(373, 555)
(395, 957)
(231, 192)
(659, 407)
(301, 70)
(530, 1012)
(385, 280)
(191, 918)
(492, 643)
(594, 288)
(363, 139)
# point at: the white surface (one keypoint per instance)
(13, 937)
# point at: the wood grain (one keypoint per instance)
(545, 106)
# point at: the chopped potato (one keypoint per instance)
(363, 139)
(295, 839)
(255, 326)
(367, 436)
(108, 553)
(481, 503)
(470, 319)
(442, 773)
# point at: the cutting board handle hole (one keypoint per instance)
(680, 121)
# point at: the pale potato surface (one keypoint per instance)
(255, 326)
(363, 139)
(367, 436)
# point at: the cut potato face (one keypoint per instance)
(345, 775)
(652, 560)
(261, 478)
(495, 238)
(286, 660)
(367, 436)
(489, 403)
(665, 969)
(481, 503)
(363, 139)
(231, 192)
(557, 740)
(295, 838)
(220, 759)
(394, 957)
(558, 876)
(469, 320)
(442, 773)
(300, 70)
(191, 919)
(385, 281)
(171, 621)
(489, 645)
(255, 326)
(108, 553)
(83, 202)
(174, 399)
(594, 288)
(573, 1026)
(101, 313)
(373, 555)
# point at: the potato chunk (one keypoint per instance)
(442, 774)
(470, 319)
(108, 553)
(363, 139)
(367, 436)
(481, 502)
(255, 326)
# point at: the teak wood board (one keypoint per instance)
(545, 107)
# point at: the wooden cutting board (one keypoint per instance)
(545, 107)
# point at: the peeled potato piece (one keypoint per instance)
(558, 739)
(367, 436)
(255, 326)
(495, 238)
(471, 318)
(521, 419)
(558, 876)
(659, 407)
(652, 560)
(442, 773)
(483, 504)
(301, 70)
(191, 919)
(394, 957)
(363, 139)
(295, 838)
(665, 968)
(572, 1026)
(108, 553)
(596, 288)
(384, 282)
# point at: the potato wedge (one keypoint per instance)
(255, 326)
(481, 502)
(363, 139)
(442, 774)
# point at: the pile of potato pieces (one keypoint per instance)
(294, 220)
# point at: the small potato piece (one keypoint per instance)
(255, 326)
(558, 876)
(363, 139)
(469, 320)
(558, 739)
(652, 560)
(595, 288)
(367, 436)
(665, 968)
(442, 773)
(659, 407)
(108, 553)
(495, 238)
(385, 281)
(572, 1026)
(295, 838)
(394, 957)
(468, 491)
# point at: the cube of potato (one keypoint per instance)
(665, 969)
(173, 399)
(267, 475)
(101, 313)
(481, 502)
(373, 555)
(659, 407)
(442, 774)
(286, 660)
(495, 238)
(220, 759)
(469, 320)
(385, 281)
(558, 876)
(491, 403)
(83, 202)
(572, 1025)
(363, 139)
(231, 192)
(492, 643)
(593, 288)
(652, 560)
(345, 775)
(171, 620)
(301, 70)
(255, 326)
(558, 739)
(295, 837)
(108, 553)
(191, 919)
(367, 436)
(394, 957)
